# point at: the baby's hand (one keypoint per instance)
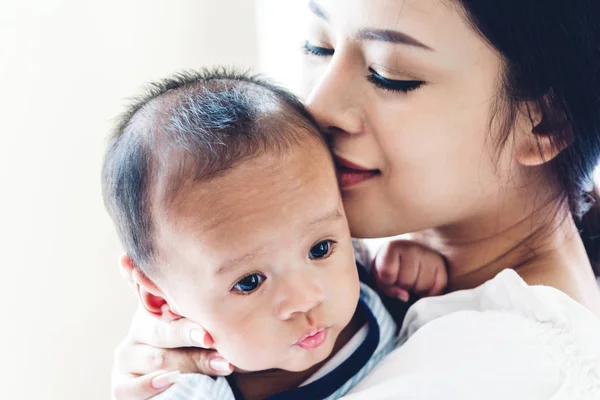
(403, 267)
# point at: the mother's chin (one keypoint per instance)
(370, 215)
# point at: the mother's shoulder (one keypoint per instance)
(506, 294)
(503, 339)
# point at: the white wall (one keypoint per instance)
(280, 36)
(66, 67)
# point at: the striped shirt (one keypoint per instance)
(332, 381)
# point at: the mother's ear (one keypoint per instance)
(547, 136)
(149, 294)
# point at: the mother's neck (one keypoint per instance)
(543, 247)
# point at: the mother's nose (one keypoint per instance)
(335, 100)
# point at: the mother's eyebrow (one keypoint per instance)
(382, 35)
(390, 36)
(317, 10)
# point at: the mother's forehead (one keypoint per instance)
(441, 25)
(417, 15)
(385, 10)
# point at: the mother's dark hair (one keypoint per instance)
(551, 50)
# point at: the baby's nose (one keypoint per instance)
(298, 295)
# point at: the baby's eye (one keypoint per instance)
(320, 250)
(249, 283)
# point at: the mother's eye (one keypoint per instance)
(249, 283)
(316, 50)
(403, 86)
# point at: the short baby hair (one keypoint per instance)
(193, 126)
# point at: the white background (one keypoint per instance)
(66, 68)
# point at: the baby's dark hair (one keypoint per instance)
(192, 126)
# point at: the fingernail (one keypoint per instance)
(403, 295)
(219, 364)
(124, 273)
(198, 336)
(164, 380)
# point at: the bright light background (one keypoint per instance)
(66, 68)
(280, 36)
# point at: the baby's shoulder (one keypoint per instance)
(198, 387)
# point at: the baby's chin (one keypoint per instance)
(297, 362)
(287, 367)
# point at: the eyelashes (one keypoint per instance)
(316, 50)
(402, 86)
(249, 284)
(321, 250)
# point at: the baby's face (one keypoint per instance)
(262, 258)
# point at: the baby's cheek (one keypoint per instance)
(345, 290)
(250, 346)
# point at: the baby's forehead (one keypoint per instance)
(261, 183)
(256, 205)
(193, 127)
(198, 133)
(230, 154)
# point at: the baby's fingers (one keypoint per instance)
(428, 266)
(386, 266)
(440, 283)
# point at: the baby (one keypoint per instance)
(225, 197)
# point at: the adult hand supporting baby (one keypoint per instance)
(154, 352)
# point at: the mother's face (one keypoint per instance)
(406, 88)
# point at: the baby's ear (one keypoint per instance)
(149, 294)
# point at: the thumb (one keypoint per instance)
(145, 386)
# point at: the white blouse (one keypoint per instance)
(504, 340)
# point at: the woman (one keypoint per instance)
(474, 123)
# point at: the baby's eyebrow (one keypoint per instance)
(331, 216)
(233, 263)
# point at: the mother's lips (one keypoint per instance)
(350, 174)
(340, 161)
